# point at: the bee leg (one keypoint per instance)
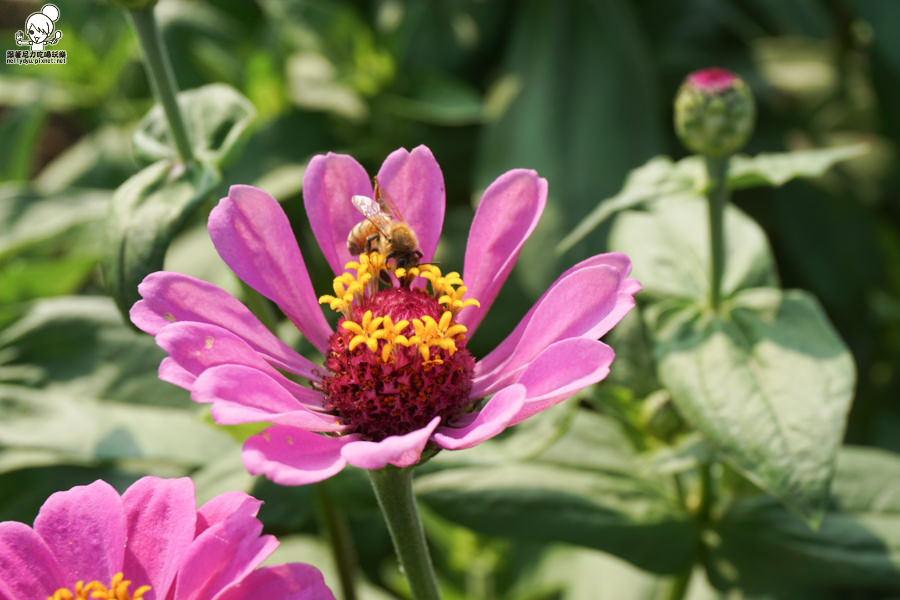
(370, 242)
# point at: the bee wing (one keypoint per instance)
(370, 209)
(387, 203)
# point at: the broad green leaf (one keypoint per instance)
(777, 168)
(146, 213)
(313, 84)
(28, 219)
(657, 178)
(27, 279)
(668, 244)
(82, 429)
(218, 119)
(661, 177)
(77, 383)
(759, 545)
(79, 347)
(20, 129)
(101, 159)
(768, 384)
(567, 122)
(586, 489)
(439, 100)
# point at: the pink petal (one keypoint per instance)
(560, 371)
(293, 581)
(508, 213)
(171, 372)
(222, 555)
(586, 301)
(27, 566)
(398, 450)
(172, 297)
(223, 506)
(292, 456)
(414, 182)
(196, 347)
(329, 183)
(253, 236)
(161, 517)
(84, 527)
(489, 421)
(241, 394)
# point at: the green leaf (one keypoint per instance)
(79, 345)
(768, 384)
(218, 119)
(87, 430)
(657, 178)
(759, 545)
(146, 213)
(669, 247)
(439, 100)
(78, 384)
(28, 219)
(20, 129)
(660, 177)
(586, 489)
(777, 168)
(28, 279)
(567, 122)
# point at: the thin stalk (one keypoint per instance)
(337, 532)
(679, 584)
(393, 489)
(162, 78)
(717, 195)
(678, 588)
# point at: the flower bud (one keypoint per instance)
(714, 112)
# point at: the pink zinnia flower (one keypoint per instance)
(150, 543)
(398, 380)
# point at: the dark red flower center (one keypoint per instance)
(397, 359)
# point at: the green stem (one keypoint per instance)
(717, 194)
(393, 489)
(337, 532)
(162, 78)
(677, 590)
(679, 584)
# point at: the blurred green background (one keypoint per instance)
(580, 90)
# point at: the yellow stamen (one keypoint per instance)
(94, 590)
(365, 332)
(362, 278)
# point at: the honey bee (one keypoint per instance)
(384, 230)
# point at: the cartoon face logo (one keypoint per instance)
(39, 29)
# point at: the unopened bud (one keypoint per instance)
(714, 112)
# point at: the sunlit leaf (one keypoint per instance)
(587, 489)
(28, 218)
(759, 545)
(661, 177)
(777, 168)
(668, 244)
(77, 383)
(768, 383)
(146, 212)
(218, 119)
